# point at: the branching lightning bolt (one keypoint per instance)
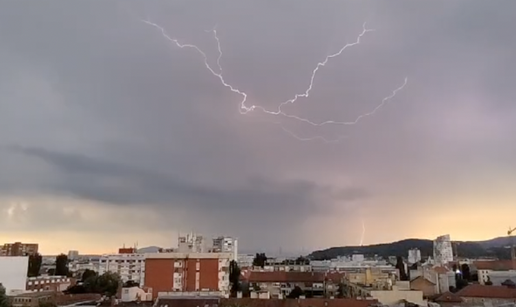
(363, 234)
(244, 109)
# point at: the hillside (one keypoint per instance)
(470, 249)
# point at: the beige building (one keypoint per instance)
(49, 283)
(371, 275)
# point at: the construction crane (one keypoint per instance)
(513, 251)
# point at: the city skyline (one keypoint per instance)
(111, 134)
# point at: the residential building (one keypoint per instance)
(192, 243)
(187, 272)
(49, 283)
(224, 244)
(441, 277)
(482, 295)
(279, 284)
(73, 255)
(79, 266)
(18, 249)
(414, 256)
(495, 271)
(33, 299)
(136, 294)
(130, 266)
(442, 250)
(245, 260)
(13, 273)
(250, 302)
(425, 285)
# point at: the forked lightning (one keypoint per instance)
(244, 109)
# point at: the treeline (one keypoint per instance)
(36, 261)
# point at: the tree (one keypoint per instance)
(489, 282)
(341, 291)
(400, 265)
(302, 261)
(61, 265)
(295, 293)
(461, 283)
(87, 274)
(106, 283)
(466, 274)
(259, 260)
(234, 277)
(35, 261)
(4, 301)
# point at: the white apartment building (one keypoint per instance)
(128, 266)
(13, 273)
(226, 245)
(195, 243)
(414, 256)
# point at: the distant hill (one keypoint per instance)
(468, 249)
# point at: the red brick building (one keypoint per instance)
(18, 249)
(187, 272)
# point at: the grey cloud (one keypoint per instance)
(110, 182)
(120, 116)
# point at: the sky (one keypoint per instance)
(110, 134)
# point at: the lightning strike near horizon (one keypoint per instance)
(363, 234)
(244, 109)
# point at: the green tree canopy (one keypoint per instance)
(35, 261)
(61, 265)
(234, 277)
(4, 302)
(259, 260)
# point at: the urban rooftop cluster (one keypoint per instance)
(201, 271)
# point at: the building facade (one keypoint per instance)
(73, 255)
(130, 266)
(18, 249)
(187, 272)
(414, 256)
(13, 273)
(49, 283)
(442, 250)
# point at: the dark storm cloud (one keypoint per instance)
(110, 182)
(101, 107)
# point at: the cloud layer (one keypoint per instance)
(108, 128)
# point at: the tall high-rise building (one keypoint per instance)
(18, 249)
(443, 251)
(226, 245)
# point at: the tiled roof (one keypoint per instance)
(197, 301)
(487, 291)
(499, 265)
(441, 270)
(449, 297)
(281, 276)
(308, 302)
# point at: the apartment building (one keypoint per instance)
(495, 271)
(49, 283)
(18, 249)
(281, 283)
(128, 264)
(187, 272)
